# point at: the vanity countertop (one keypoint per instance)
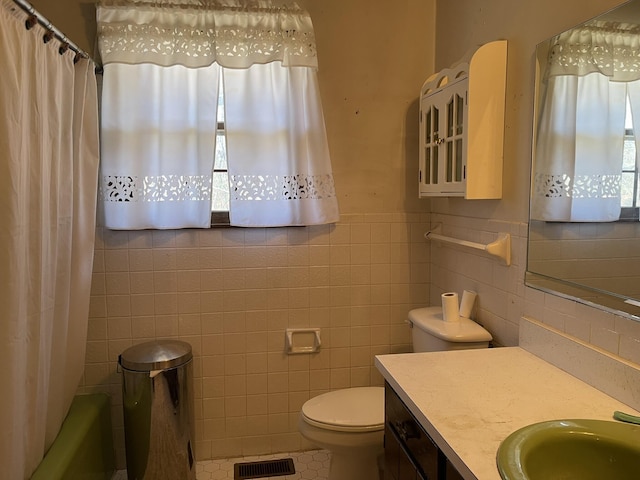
(468, 401)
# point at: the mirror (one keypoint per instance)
(584, 232)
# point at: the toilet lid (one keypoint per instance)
(354, 409)
(429, 319)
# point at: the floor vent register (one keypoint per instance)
(262, 469)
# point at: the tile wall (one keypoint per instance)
(231, 293)
(609, 250)
(614, 334)
(503, 297)
(500, 288)
(600, 255)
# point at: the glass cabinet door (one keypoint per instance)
(455, 130)
(442, 141)
(431, 123)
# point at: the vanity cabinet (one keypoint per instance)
(410, 454)
(462, 127)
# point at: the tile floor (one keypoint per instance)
(312, 465)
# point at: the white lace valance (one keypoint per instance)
(197, 35)
(612, 49)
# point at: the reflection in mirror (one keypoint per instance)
(585, 192)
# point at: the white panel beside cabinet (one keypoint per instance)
(462, 127)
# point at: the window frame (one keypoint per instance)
(632, 213)
(220, 218)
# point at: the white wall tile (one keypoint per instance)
(233, 293)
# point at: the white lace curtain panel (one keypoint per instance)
(162, 65)
(581, 125)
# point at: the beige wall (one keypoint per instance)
(74, 18)
(232, 292)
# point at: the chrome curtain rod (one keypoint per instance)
(35, 16)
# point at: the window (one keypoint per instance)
(591, 78)
(220, 181)
(629, 184)
(168, 161)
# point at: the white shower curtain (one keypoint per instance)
(49, 164)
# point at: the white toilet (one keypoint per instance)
(350, 422)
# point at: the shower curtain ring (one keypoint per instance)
(30, 22)
(47, 37)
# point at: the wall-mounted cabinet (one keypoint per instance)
(462, 127)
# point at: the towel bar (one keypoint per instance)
(500, 248)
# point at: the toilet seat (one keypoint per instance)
(358, 409)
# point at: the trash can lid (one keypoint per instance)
(156, 355)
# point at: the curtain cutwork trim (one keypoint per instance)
(197, 35)
(160, 188)
(581, 186)
(282, 187)
(203, 5)
(231, 47)
(610, 49)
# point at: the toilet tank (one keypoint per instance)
(430, 333)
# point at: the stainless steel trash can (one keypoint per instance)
(157, 397)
